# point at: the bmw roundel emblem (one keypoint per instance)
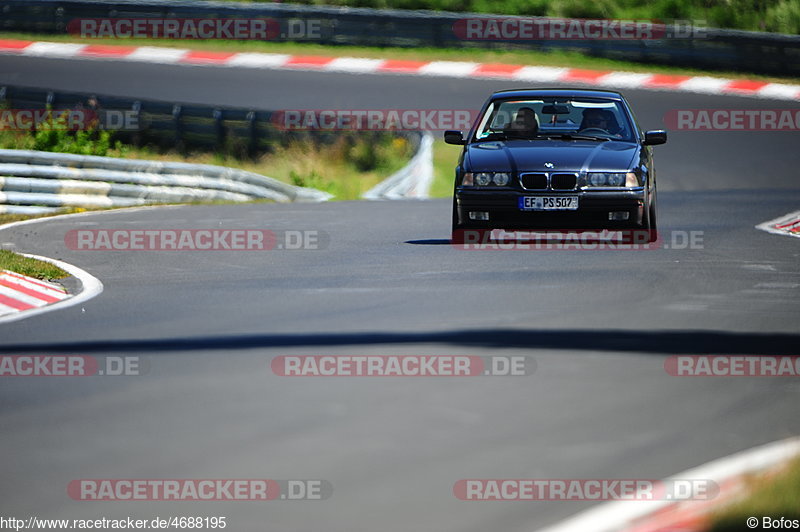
(549, 165)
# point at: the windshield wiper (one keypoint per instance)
(511, 135)
(572, 136)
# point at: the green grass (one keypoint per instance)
(344, 169)
(762, 15)
(776, 496)
(10, 218)
(445, 159)
(557, 58)
(31, 267)
(7, 218)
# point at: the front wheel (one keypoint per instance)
(456, 233)
(652, 226)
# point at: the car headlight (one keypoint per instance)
(615, 180)
(612, 179)
(483, 179)
(501, 179)
(597, 179)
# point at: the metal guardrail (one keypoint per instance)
(413, 181)
(715, 49)
(32, 179)
(36, 181)
(40, 181)
(171, 125)
(179, 126)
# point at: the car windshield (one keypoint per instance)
(559, 118)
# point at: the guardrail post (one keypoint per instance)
(177, 111)
(219, 129)
(136, 107)
(59, 26)
(252, 134)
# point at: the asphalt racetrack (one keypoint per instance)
(599, 325)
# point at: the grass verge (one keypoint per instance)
(31, 267)
(557, 58)
(343, 169)
(775, 496)
(445, 159)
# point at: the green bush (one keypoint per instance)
(583, 9)
(55, 135)
(783, 17)
(313, 180)
(376, 152)
(760, 15)
(672, 9)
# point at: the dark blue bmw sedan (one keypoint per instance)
(563, 159)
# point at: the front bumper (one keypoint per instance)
(592, 213)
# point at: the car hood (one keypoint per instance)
(531, 155)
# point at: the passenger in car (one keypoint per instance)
(525, 124)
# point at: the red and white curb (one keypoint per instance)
(730, 474)
(360, 65)
(23, 297)
(788, 225)
(20, 292)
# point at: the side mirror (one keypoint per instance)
(654, 137)
(454, 137)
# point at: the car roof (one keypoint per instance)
(574, 93)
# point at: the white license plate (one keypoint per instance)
(548, 203)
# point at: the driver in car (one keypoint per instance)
(601, 119)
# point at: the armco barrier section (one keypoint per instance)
(33, 181)
(40, 181)
(179, 126)
(413, 181)
(176, 125)
(712, 48)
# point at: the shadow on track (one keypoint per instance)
(654, 342)
(429, 242)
